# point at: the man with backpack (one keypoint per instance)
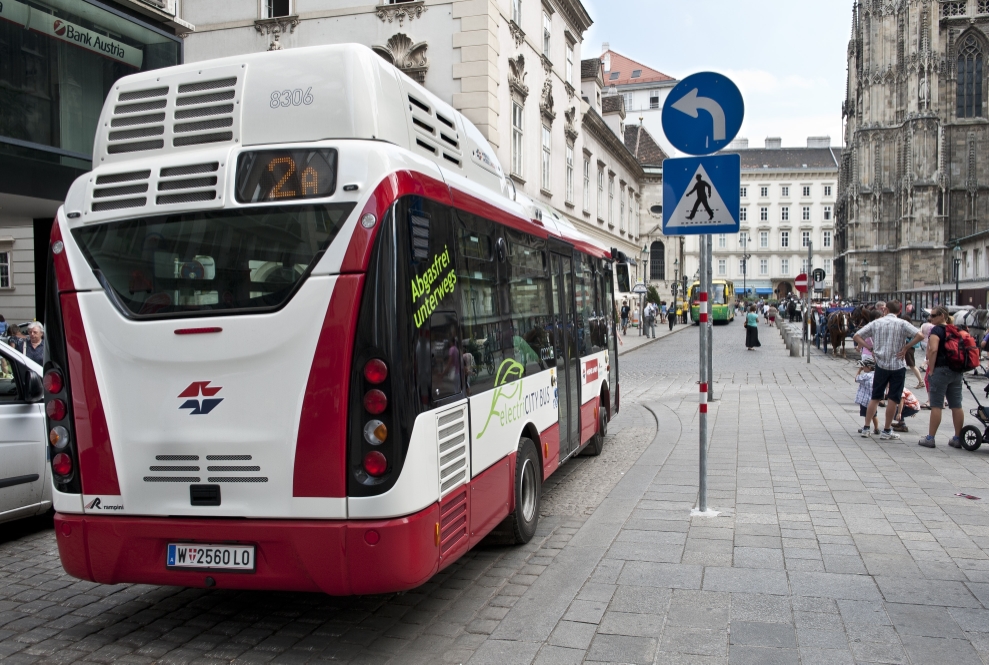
(891, 337)
(950, 353)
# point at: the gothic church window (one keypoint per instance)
(969, 91)
(657, 261)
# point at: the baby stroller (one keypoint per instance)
(971, 437)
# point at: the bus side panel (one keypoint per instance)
(321, 448)
(490, 496)
(550, 439)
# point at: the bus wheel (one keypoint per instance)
(528, 487)
(596, 444)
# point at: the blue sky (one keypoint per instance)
(787, 56)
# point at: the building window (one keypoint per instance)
(803, 266)
(827, 213)
(805, 191)
(763, 191)
(517, 12)
(587, 184)
(621, 208)
(657, 261)
(627, 99)
(784, 238)
(600, 193)
(722, 241)
(547, 158)
(785, 267)
(569, 174)
(722, 267)
(743, 240)
(827, 267)
(785, 213)
(741, 266)
(744, 192)
(517, 139)
(764, 239)
(969, 91)
(632, 229)
(827, 190)
(763, 266)
(4, 270)
(827, 238)
(277, 8)
(784, 190)
(654, 99)
(570, 64)
(763, 214)
(805, 238)
(547, 34)
(805, 214)
(611, 201)
(743, 214)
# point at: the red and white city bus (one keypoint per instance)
(304, 334)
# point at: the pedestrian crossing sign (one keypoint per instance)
(701, 195)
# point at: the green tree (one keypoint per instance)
(652, 295)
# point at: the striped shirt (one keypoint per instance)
(889, 334)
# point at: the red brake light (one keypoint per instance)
(375, 371)
(55, 409)
(62, 464)
(375, 464)
(375, 401)
(53, 382)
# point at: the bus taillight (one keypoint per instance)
(55, 409)
(62, 465)
(375, 432)
(53, 381)
(375, 371)
(375, 401)
(375, 464)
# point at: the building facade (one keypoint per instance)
(915, 169)
(58, 61)
(644, 90)
(787, 201)
(513, 67)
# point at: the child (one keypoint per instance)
(864, 378)
(909, 406)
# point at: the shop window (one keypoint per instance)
(5, 270)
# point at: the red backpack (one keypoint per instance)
(960, 349)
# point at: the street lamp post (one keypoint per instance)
(865, 278)
(745, 265)
(957, 260)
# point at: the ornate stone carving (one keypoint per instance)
(546, 101)
(517, 33)
(275, 45)
(570, 90)
(279, 25)
(570, 127)
(405, 10)
(405, 54)
(516, 76)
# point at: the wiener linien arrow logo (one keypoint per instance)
(691, 104)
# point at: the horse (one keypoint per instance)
(861, 315)
(838, 324)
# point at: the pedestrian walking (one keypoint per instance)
(752, 329)
(773, 313)
(650, 318)
(35, 347)
(3, 326)
(891, 337)
(945, 348)
(662, 313)
(911, 360)
(864, 379)
(625, 310)
(671, 317)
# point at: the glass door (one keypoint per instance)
(565, 347)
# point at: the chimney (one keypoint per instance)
(739, 144)
(774, 143)
(605, 47)
(818, 141)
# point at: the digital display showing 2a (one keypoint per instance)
(286, 175)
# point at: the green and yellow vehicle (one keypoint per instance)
(721, 305)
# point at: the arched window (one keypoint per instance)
(969, 93)
(657, 261)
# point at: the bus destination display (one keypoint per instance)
(286, 175)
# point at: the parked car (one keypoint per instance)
(25, 484)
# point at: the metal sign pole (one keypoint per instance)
(810, 272)
(710, 329)
(702, 421)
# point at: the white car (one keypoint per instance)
(25, 481)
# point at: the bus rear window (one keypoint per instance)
(213, 262)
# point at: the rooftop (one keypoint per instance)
(590, 68)
(612, 104)
(787, 158)
(625, 71)
(641, 144)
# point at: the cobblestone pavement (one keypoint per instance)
(829, 548)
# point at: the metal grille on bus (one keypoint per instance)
(453, 521)
(204, 112)
(451, 430)
(436, 135)
(187, 184)
(138, 122)
(186, 464)
(116, 191)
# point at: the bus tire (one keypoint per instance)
(528, 487)
(596, 444)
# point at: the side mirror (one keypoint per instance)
(35, 388)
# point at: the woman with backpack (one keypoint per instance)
(950, 353)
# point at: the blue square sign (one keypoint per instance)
(701, 195)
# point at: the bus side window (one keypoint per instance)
(529, 299)
(445, 355)
(584, 293)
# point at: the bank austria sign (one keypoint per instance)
(38, 21)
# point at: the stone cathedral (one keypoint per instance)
(914, 175)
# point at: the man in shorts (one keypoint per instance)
(945, 382)
(891, 337)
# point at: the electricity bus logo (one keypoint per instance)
(200, 407)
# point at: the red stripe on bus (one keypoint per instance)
(63, 275)
(321, 447)
(97, 468)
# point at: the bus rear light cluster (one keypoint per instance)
(59, 426)
(374, 420)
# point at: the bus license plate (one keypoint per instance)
(203, 556)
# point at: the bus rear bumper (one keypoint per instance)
(333, 557)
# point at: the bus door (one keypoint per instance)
(565, 347)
